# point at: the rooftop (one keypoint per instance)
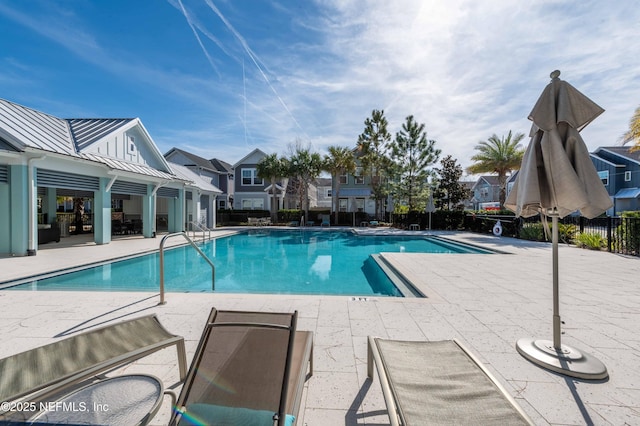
(486, 301)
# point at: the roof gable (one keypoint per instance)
(86, 131)
(221, 166)
(486, 180)
(184, 158)
(252, 158)
(128, 141)
(621, 152)
(89, 139)
(196, 180)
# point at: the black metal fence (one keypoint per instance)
(622, 234)
(615, 234)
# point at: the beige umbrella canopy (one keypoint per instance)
(557, 173)
(556, 178)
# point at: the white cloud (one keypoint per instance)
(466, 69)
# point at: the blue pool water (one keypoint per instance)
(263, 261)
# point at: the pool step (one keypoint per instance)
(399, 280)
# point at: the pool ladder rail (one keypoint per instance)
(196, 226)
(195, 246)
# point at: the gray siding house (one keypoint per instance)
(619, 170)
(485, 190)
(252, 192)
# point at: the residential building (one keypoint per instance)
(619, 170)
(200, 200)
(252, 192)
(485, 190)
(226, 183)
(323, 193)
(355, 193)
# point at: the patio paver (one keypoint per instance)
(486, 301)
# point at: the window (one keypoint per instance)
(222, 204)
(250, 178)
(627, 176)
(253, 204)
(484, 192)
(604, 177)
(327, 192)
(360, 204)
(343, 204)
(359, 177)
(342, 179)
(131, 144)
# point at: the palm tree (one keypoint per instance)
(271, 168)
(500, 156)
(338, 162)
(304, 165)
(633, 134)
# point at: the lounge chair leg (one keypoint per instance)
(369, 358)
(182, 360)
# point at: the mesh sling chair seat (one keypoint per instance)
(51, 369)
(249, 369)
(439, 383)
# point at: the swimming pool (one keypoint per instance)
(262, 261)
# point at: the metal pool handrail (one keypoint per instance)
(199, 226)
(204, 256)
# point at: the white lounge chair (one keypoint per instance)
(433, 383)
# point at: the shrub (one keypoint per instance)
(591, 241)
(566, 232)
(532, 232)
(288, 215)
(628, 232)
(535, 232)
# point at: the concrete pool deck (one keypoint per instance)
(486, 301)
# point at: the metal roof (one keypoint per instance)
(127, 166)
(86, 131)
(22, 127)
(189, 175)
(628, 193)
(25, 127)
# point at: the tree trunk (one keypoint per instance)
(336, 198)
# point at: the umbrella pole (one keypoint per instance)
(556, 292)
(553, 355)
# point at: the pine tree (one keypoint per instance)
(412, 154)
(372, 150)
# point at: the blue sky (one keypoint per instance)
(221, 77)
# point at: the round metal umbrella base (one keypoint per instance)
(566, 360)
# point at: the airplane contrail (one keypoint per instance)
(254, 58)
(195, 33)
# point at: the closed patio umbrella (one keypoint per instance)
(556, 178)
(430, 206)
